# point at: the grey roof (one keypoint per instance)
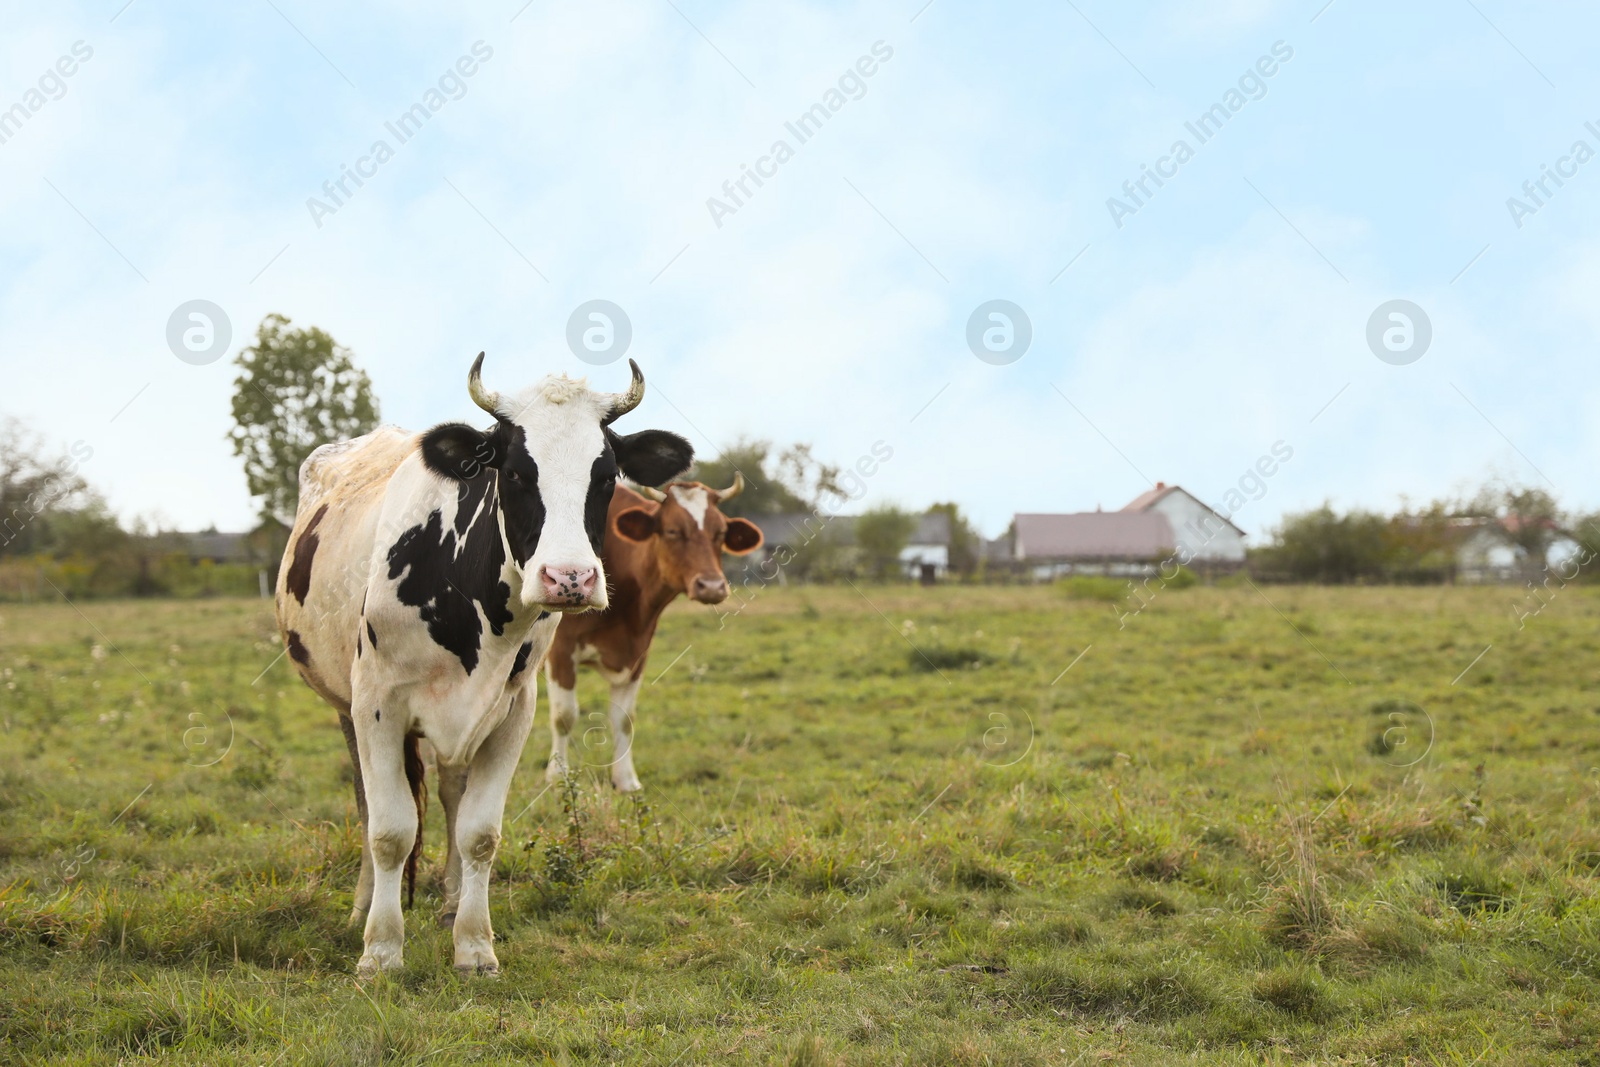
(1094, 535)
(933, 528)
(798, 528)
(996, 550)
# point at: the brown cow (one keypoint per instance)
(658, 546)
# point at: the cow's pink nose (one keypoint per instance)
(568, 585)
(710, 590)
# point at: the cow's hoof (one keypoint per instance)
(475, 956)
(627, 785)
(447, 919)
(373, 965)
(358, 917)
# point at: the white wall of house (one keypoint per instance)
(1207, 542)
(912, 558)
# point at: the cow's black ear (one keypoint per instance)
(456, 450)
(652, 457)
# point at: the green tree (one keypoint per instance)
(881, 533)
(1585, 530)
(1323, 546)
(296, 389)
(792, 481)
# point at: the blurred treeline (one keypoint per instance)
(1502, 533)
(58, 537)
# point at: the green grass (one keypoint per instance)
(1233, 832)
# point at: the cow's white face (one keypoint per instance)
(533, 491)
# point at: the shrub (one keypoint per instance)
(1089, 587)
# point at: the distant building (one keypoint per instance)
(1202, 534)
(1091, 542)
(218, 547)
(1153, 527)
(1484, 551)
(829, 542)
(926, 556)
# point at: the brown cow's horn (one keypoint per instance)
(486, 399)
(651, 494)
(622, 403)
(725, 495)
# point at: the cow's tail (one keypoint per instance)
(415, 770)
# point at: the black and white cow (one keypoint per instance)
(417, 596)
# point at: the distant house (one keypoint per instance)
(1484, 551)
(218, 547)
(1091, 542)
(1201, 533)
(783, 538)
(1133, 541)
(830, 542)
(926, 556)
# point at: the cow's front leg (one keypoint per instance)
(624, 696)
(452, 783)
(483, 806)
(391, 829)
(563, 717)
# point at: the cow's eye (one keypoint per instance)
(515, 477)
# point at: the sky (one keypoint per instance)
(1360, 153)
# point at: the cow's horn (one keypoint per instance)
(651, 494)
(725, 495)
(486, 399)
(622, 403)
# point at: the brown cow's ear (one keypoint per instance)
(636, 524)
(743, 536)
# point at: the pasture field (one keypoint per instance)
(1293, 825)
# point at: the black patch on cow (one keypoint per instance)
(446, 574)
(377, 714)
(297, 649)
(298, 580)
(602, 486)
(358, 644)
(651, 457)
(520, 497)
(521, 661)
(372, 637)
(543, 615)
